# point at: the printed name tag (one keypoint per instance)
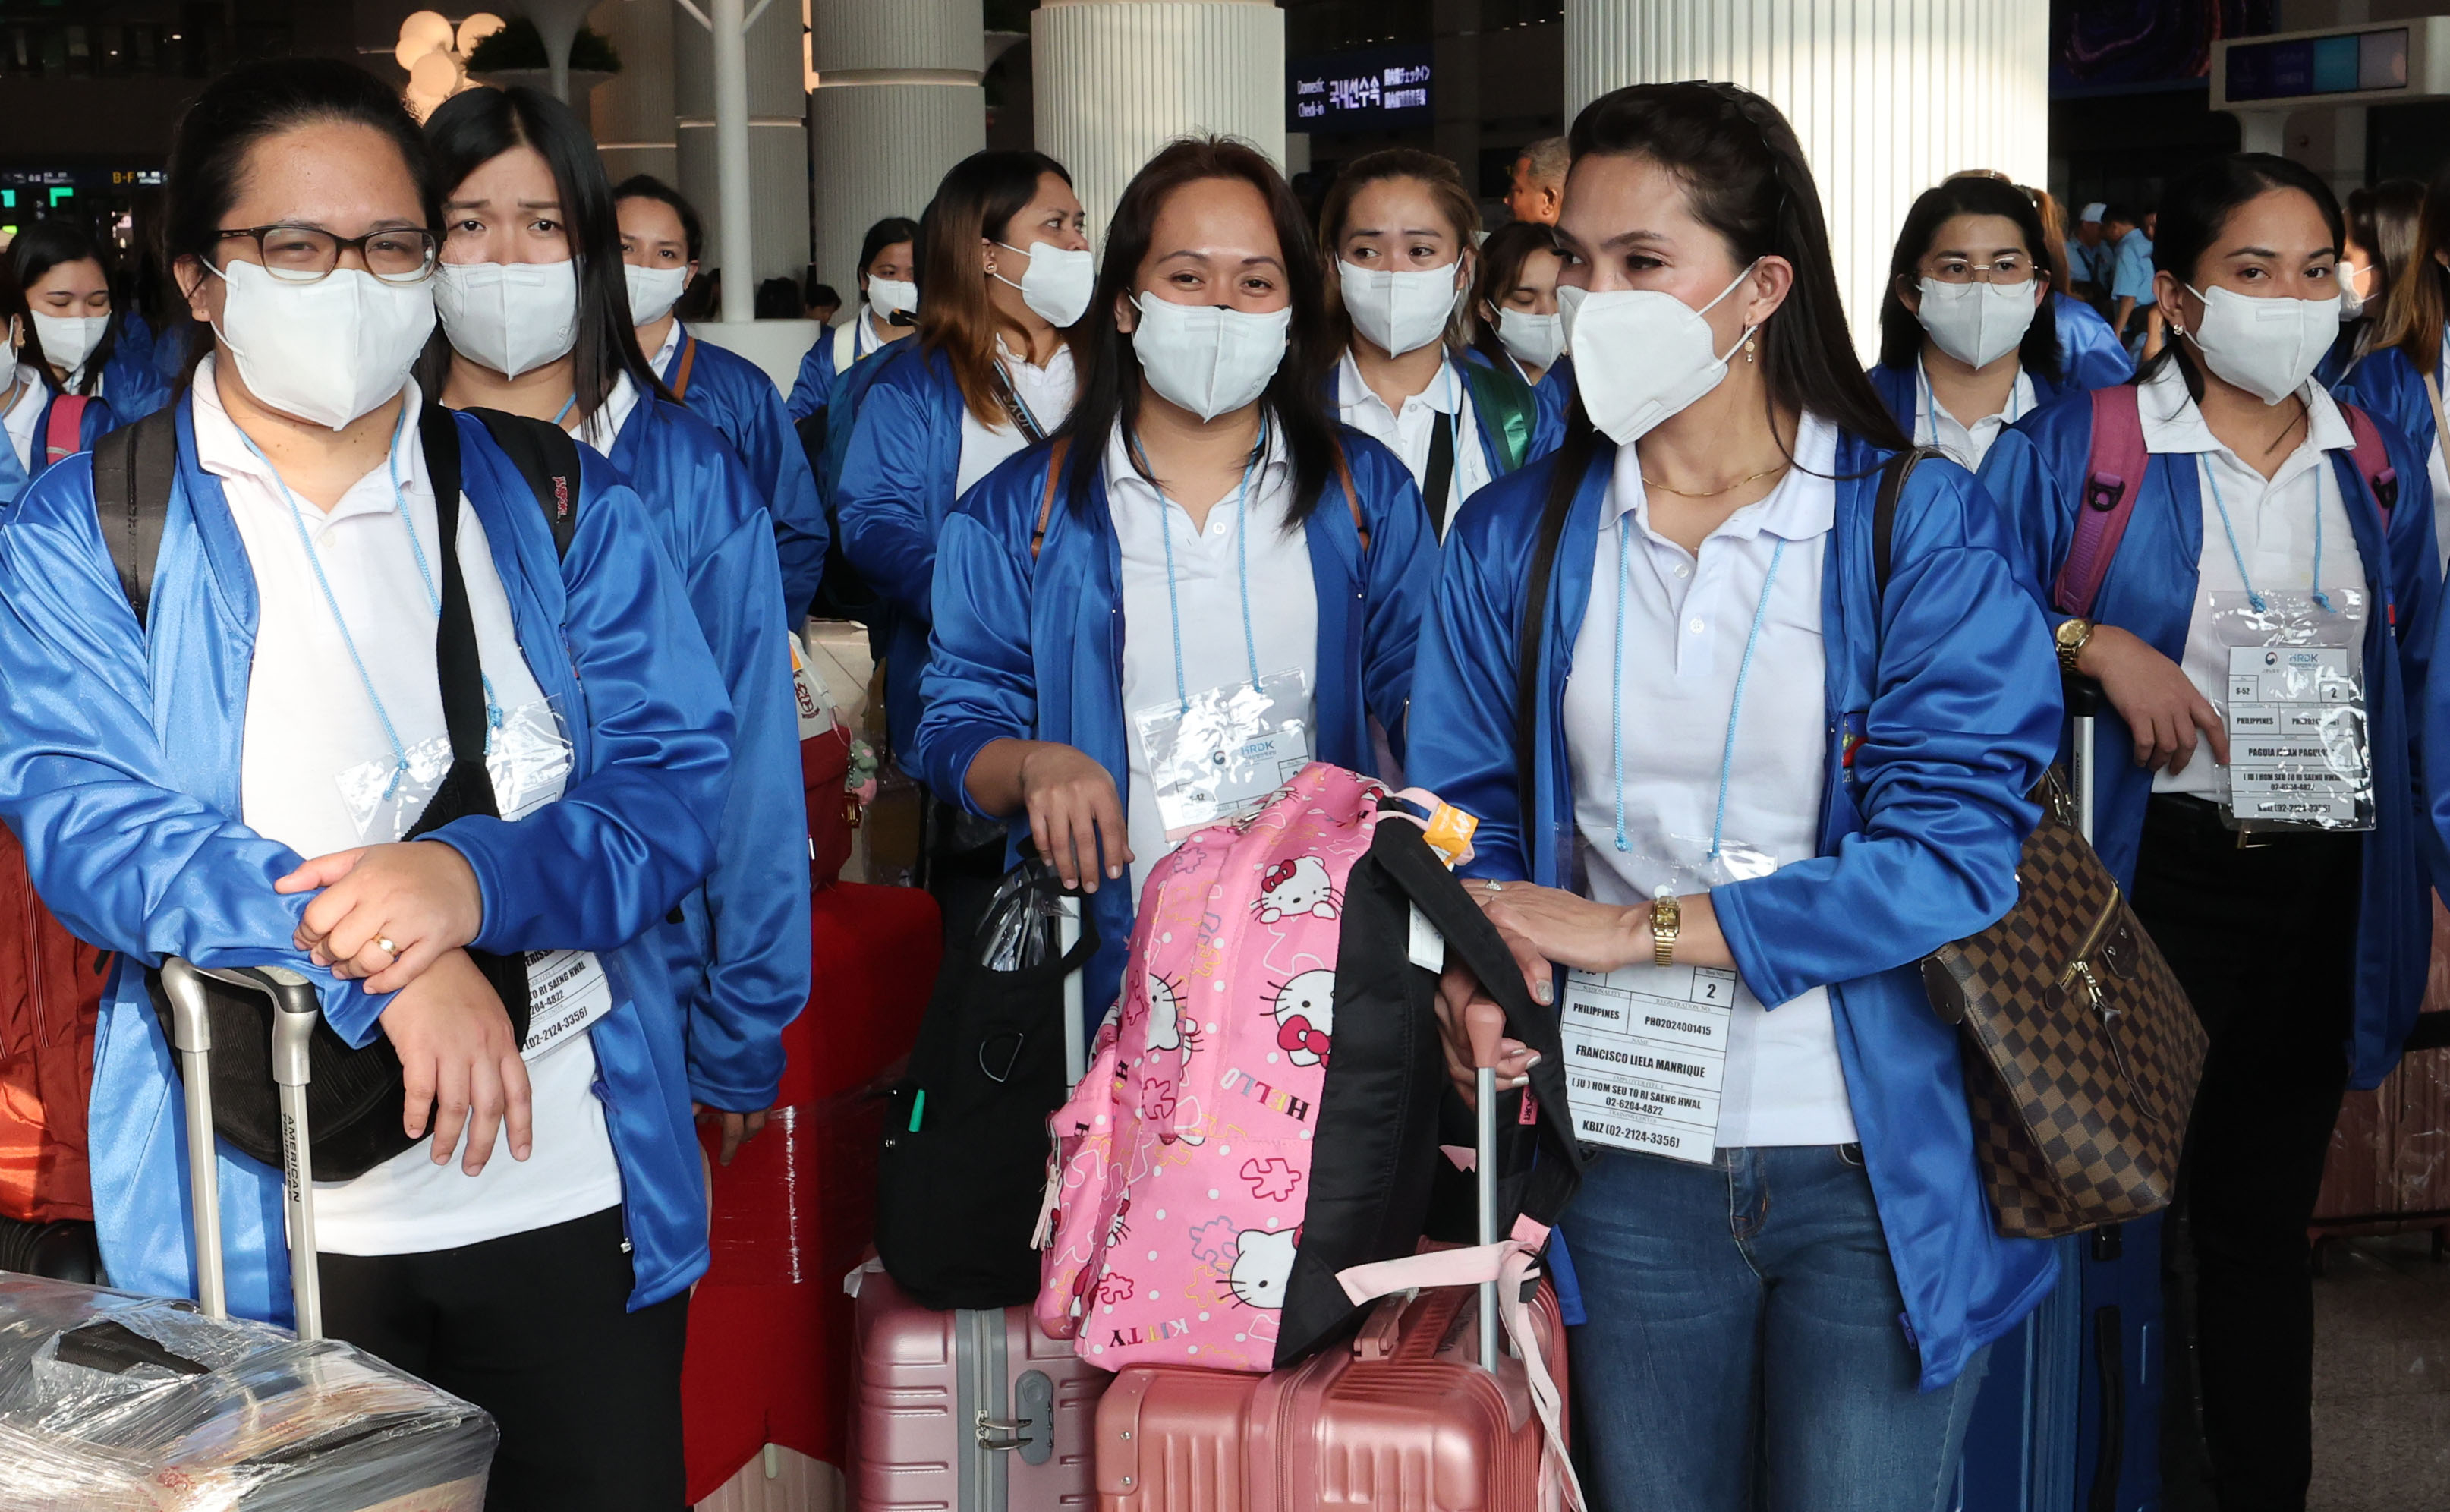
(567, 992)
(1646, 1058)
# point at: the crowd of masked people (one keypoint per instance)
(1573, 523)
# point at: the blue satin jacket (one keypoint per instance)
(892, 501)
(98, 419)
(1895, 386)
(1013, 662)
(2090, 356)
(2036, 469)
(122, 775)
(1952, 685)
(735, 397)
(2386, 386)
(739, 957)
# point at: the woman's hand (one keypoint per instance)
(2162, 708)
(1574, 931)
(738, 1128)
(1472, 1026)
(1075, 815)
(387, 912)
(459, 1062)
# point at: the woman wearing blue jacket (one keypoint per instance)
(1969, 337)
(77, 327)
(278, 697)
(535, 309)
(2305, 952)
(1199, 526)
(29, 406)
(660, 243)
(888, 290)
(1398, 230)
(1758, 771)
(2401, 378)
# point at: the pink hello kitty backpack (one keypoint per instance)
(1262, 1111)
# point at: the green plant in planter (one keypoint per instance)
(519, 46)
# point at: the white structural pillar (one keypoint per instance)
(1888, 96)
(731, 40)
(1116, 80)
(741, 120)
(898, 101)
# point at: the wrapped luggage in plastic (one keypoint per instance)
(111, 1402)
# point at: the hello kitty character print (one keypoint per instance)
(1193, 1126)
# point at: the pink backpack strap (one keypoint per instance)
(2114, 475)
(2373, 462)
(64, 434)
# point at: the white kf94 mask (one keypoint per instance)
(512, 317)
(1206, 358)
(2266, 347)
(1977, 323)
(331, 351)
(1642, 355)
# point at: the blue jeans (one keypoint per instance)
(1745, 1348)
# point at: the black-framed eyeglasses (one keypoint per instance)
(307, 253)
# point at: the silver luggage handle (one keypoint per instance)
(1075, 1049)
(293, 1028)
(1484, 1177)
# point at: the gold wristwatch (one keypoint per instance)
(1667, 918)
(2072, 637)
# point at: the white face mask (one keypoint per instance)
(1977, 323)
(653, 291)
(69, 340)
(886, 296)
(2266, 347)
(1642, 355)
(1401, 311)
(1058, 282)
(1209, 360)
(1534, 340)
(2351, 304)
(331, 351)
(511, 316)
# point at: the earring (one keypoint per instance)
(1748, 348)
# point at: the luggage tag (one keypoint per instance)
(2294, 710)
(1215, 754)
(1646, 1046)
(567, 992)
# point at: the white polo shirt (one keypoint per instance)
(1046, 392)
(1965, 445)
(2274, 521)
(308, 719)
(1208, 593)
(1685, 619)
(24, 414)
(1408, 433)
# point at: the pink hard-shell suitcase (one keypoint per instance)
(979, 1411)
(1423, 1411)
(972, 1411)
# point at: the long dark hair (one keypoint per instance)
(1901, 334)
(978, 197)
(1501, 267)
(210, 145)
(473, 128)
(1745, 178)
(1292, 400)
(2195, 210)
(43, 246)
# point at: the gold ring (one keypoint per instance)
(384, 942)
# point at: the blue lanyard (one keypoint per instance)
(1241, 562)
(1735, 705)
(2211, 476)
(332, 602)
(567, 405)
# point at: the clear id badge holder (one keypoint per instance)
(2295, 709)
(1647, 1045)
(526, 754)
(1212, 755)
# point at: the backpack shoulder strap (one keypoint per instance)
(2373, 460)
(133, 470)
(1894, 473)
(1351, 494)
(1046, 500)
(548, 459)
(64, 432)
(1571, 461)
(2114, 478)
(846, 344)
(689, 360)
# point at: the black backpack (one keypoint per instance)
(352, 1095)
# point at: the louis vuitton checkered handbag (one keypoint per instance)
(2082, 1052)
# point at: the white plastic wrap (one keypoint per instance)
(111, 1402)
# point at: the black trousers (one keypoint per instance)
(2264, 940)
(535, 1328)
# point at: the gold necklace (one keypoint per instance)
(1647, 481)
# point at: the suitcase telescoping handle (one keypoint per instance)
(1484, 1173)
(293, 1027)
(2084, 707)
(1076, 1033)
